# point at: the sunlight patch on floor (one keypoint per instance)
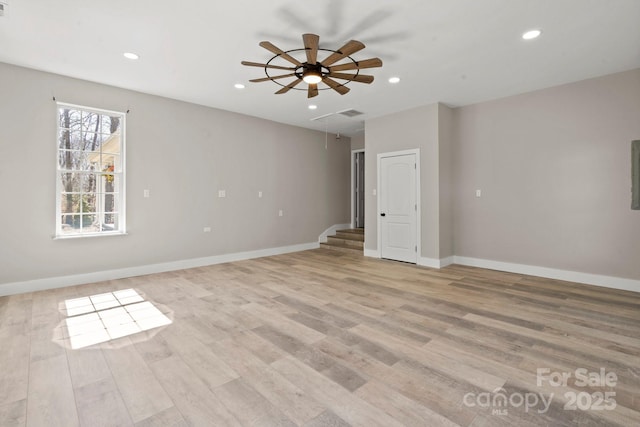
(104, 317)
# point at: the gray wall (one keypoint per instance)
(445, 174)
(184, 154)
(357, 141)
(411, 129)
(554, 170)
(553, 166)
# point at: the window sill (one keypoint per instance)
(82, 236)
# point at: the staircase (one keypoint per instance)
(349, 240)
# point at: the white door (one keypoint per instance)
(398, 208)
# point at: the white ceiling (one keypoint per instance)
(457, 52)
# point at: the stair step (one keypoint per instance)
(341, 248)
(349, 236)
(346, 240)
(352, 230)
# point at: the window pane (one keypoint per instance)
(89, 182)
(70, 139)
(111, 145)
(62, 116)
(74, 224)
(69, 119)
(110, 222)
(70, 182)
(110, 125)
(70, 203)
(93, 141)
(89, 203)
(67, 139)
(111, 161)
(112, 183)
(109, 203)
(74, 160)
(70, 223)
(88, 223)
(90, 120)
(108, 180)
(93, 159)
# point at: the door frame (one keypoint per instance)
(415, 151)
(353, 184)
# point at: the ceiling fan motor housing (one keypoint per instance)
(311, 69)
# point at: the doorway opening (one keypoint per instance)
(357, 189)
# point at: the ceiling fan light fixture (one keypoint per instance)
(312, 77)
(316, 70)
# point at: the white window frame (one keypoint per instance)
(121, 175)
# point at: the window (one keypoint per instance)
(90, 181)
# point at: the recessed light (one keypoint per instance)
(313, 107)
(131, 55)
(531, 34)
(394, 80)
(238, 86)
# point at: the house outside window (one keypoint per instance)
(90, 173)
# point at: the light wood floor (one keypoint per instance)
(324, 338)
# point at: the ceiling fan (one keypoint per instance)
(313, 71)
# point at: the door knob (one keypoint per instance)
(383, 214)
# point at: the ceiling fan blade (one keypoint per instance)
(257, 64)
(266, 79)
(289, 86)
(312, 91)
(311, 45)
(335, 85)
(367, 63)
(348, 49)
(271, 48)
(360, 78)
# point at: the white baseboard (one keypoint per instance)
(531, 270)
(79, 279)
(373, 253)
(435, 263)
(446, 261)
(552, 273)
(422, 261)
(428, 262)
(331, 230)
